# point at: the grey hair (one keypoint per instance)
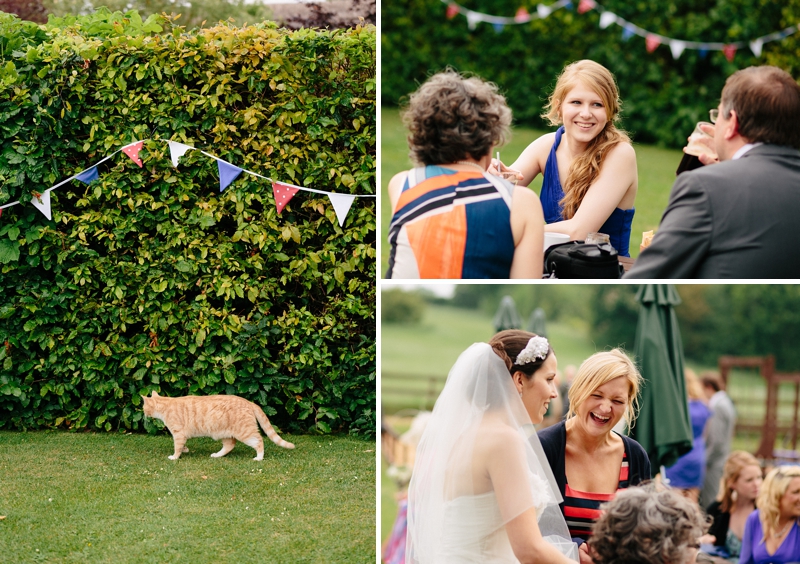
(645, 525)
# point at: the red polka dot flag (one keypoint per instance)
(282, 195)
(133, 152)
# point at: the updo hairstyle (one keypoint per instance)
(509, 343)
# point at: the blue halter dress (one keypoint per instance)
(618, 224)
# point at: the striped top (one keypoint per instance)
(582, 509)
(451, 224)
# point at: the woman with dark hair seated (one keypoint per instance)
(451, 219)
(645, 526)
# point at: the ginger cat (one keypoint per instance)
(229, 418)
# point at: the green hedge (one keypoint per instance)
(662, 97)
(150, 278)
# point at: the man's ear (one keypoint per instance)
(732, 129)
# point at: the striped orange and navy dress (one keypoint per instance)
(451, 224)
(582, 509)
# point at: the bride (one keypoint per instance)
(482, 490)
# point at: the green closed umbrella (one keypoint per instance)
(663, 427)
(507, 316)
(537, 323)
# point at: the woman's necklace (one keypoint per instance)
(468, 163)
(783, 531)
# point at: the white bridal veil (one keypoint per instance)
(453, 515)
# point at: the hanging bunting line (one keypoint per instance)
(228, 172)
(652, 40)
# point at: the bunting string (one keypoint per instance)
(652, 40)
(228, 172)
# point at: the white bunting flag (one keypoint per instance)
(472, 19)
(606, 19)
(341, 205)
(177, 150)
(755, 47)
(677, 48)
(42, 203)
(543, 11)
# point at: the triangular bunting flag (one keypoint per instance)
(498, 27)
(88, 175)
(627, 33)
(227, 174)
(606, 19)
(177, 150)
(730, 52)
(472, 19)
(282, 195)
(42, 203)
(522, 15)
(702, 52)
(652, 42)
(341, 205)
(133, 152)
(543, 11)
(452, 11)
(585, 5)
(568, 5)
(677, 47)
(755, 47)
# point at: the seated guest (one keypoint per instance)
(733, 219)
(738, 490)
(772, 533)
(644, 526)
(451, 219)
(588, 165)
(592, 462)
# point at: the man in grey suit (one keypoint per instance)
(738, 218)
(718, 435)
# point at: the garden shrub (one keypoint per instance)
(662, 97)
(150, 278)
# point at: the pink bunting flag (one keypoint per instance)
(730, 52)
(652, 42)
(282, 195)
(522, 15)
(585, 5)
(133, 152)
(452, 11)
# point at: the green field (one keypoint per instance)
(111, 498)
(656, 174)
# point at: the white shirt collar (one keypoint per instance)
(743, 149)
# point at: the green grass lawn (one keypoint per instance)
(109, 498)
(656, 174)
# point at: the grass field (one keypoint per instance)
(109, 498)
(656, 168)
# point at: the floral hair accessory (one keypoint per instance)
(536, 349)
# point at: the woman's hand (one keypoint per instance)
(497, 168)
(585, 556)
(708, 539)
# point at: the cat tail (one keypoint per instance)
(265, 424)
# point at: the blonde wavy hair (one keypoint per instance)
(737, 461)
(600, 368)
(769, 498)
(586, 166)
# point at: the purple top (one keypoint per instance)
(689, 470)
(754, 550)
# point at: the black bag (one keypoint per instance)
(577, 259)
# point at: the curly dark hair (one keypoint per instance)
(452, 117)
(645, 525)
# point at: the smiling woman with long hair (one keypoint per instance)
(589, 165)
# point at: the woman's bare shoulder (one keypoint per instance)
(623, 151)
(396, 186)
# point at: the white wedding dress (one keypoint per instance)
(450, 519)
